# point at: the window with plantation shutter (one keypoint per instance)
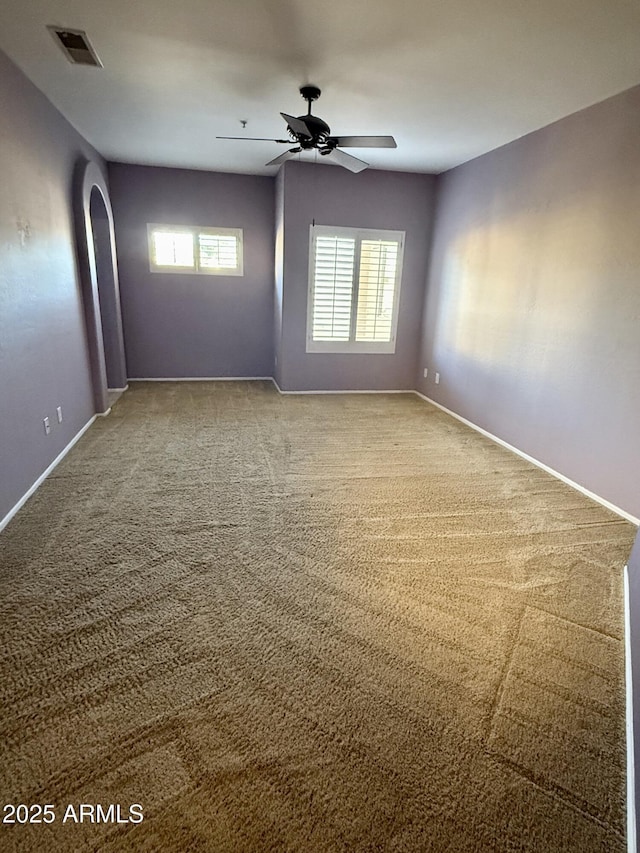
(333, 285)
(218, 251)
(194, 249)
(354, 289)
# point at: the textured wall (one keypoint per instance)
(194, 325)
(43, 347)
(532, 316)
(372, 199)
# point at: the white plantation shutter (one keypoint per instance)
(354, 288)
(218, 251)
(333, 288)
(376, 288)
(195, 249)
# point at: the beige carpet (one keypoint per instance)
(320, 623)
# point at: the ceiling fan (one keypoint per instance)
(310, 132)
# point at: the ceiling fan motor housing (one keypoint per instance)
(318, 128)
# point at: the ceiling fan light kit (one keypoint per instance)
(309, 133)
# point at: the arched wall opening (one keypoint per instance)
(100, 287)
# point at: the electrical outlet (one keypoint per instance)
(47, 426)
(59, 414)
(437, 378)
(426, 373)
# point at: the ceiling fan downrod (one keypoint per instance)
(310, 94)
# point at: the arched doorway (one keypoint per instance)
(100, 289)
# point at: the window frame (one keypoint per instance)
(195, 231)
(352, 345)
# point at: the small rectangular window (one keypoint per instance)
(354, 289)
(195, 249)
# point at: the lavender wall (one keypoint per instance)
(372, 199)
(194, 325)
(43, 346)
(532, 316)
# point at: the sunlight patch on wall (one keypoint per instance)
(512, 295)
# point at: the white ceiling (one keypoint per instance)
(450, 79)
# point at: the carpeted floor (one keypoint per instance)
(319, 623)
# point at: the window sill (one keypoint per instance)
(352, 347)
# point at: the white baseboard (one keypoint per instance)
(198, 378)
(46, 473)
(631, 782)
(120, 390)
(626, 515)
(291, 393)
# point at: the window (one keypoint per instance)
(354, 289)
(191, 249)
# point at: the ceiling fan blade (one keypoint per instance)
(256, 139)
(346, 160)
(297, 125)
(364, 141)
(282, 158)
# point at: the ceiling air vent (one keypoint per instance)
(75, 46)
